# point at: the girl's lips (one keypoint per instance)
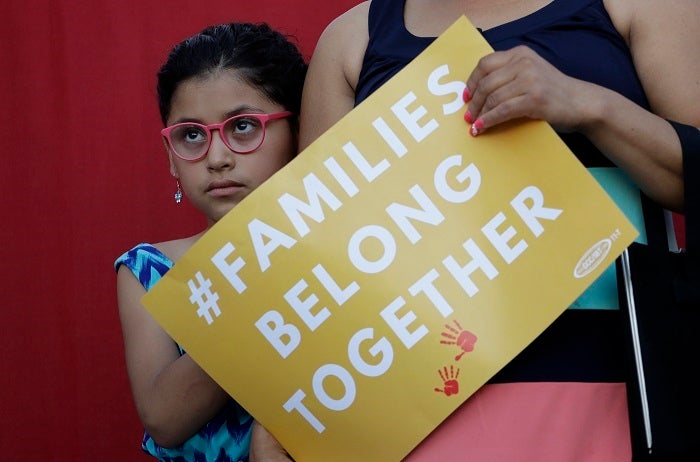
(222, 188)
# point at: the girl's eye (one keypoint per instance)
(193, 135)
(244, 126)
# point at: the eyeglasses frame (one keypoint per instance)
(262, 117)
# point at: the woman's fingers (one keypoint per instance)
(514, 84)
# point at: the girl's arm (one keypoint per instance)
(174, 397)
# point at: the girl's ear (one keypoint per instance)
(173, 168)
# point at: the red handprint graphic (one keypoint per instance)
(449, 381)
(460, 337)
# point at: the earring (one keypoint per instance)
(178, 193)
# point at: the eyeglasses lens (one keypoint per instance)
(244, 134)
(241, 134)
(189, 140)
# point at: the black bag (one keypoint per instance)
(661, 291)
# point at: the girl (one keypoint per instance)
(229, 98)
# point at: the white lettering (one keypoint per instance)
(462, 274)
(230, 271)
(339, 295)
(425, 285)
(500, 241)
(295, 404)
(455, 86)
(355, 252)
(315, 191)
(530, 214)
(401, 213)
(346, 380)
(303, 307)
(368, 171)
(470, 173)
(400, 324)
(381, 348)
(259, 230)
(410, 119)
(390, 137)
(341, 177)
(273, 328)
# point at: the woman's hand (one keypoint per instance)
(518, 83)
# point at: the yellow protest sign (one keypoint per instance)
(359, 296)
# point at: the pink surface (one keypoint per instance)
(534, 422)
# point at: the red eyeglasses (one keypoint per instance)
(243, 133)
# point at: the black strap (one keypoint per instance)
(687, 286)
(687, 280)
(654, 223)
(664, 318)
(690, 143)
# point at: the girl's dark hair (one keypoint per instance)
(263, 57)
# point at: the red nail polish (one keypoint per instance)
(468, 117)
(466, 96)
(477, 127)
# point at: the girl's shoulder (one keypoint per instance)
(176, 248)
(166, 253)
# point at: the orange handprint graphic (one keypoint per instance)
(460, 337)
(449, 381)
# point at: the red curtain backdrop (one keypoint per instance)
(83, 178)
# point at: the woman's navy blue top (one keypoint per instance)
(577, 366)
(575, 36)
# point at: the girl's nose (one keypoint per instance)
(219, 155)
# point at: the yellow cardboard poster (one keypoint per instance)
(359, 296)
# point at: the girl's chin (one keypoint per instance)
(220, 212)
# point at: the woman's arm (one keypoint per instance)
(329, 88)
(664, 39)
(174, 397)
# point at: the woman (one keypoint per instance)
(609, 76)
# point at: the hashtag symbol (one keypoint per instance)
(203, 297)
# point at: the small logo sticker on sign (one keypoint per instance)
(592, 258)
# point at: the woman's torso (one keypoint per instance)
(576, 36)
(575, 370)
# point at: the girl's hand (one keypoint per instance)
(265, 448)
